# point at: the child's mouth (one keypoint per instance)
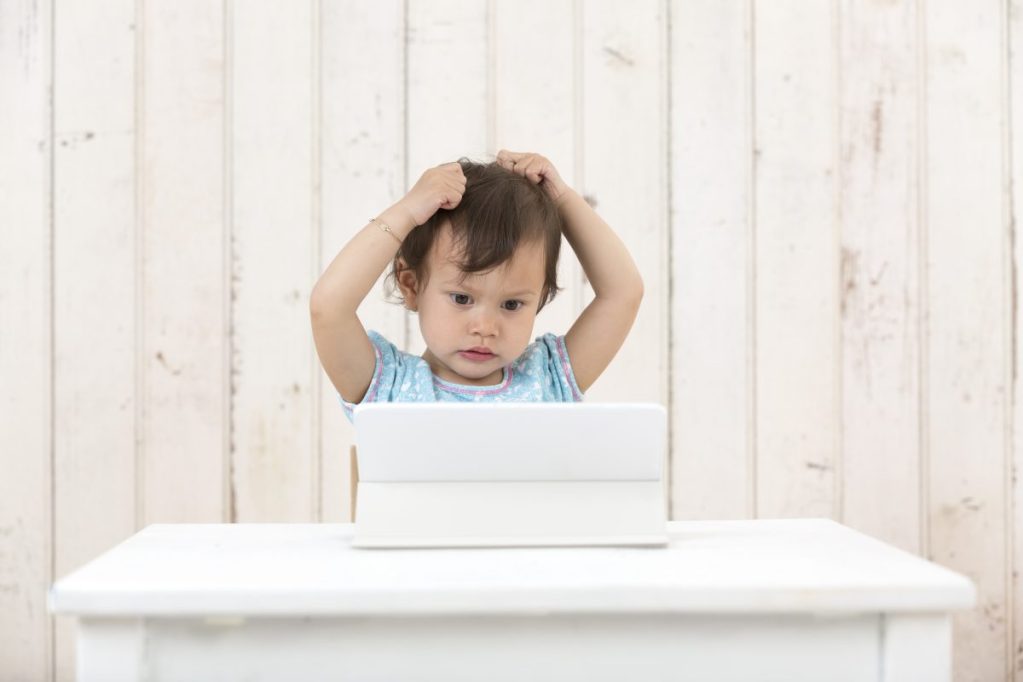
(475, 355)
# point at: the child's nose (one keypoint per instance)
(483, 323)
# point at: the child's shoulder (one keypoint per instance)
(379, 339)
(390, 353)
(545, 349)
(546, 361)
(540, 346)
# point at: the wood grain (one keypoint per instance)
(880, 128)
(26, 338)
(711, 260)
(274, 469)
(966, 367)
(96, 316)
(796, 236)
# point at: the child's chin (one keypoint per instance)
(478, 372)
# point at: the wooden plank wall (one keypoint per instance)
(822, 198)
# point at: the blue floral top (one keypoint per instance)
(542, 373)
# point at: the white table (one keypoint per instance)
(779, 599)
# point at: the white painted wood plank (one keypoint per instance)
(95, 279)
(448, 92)
(362, 173)
(26, 398)
(914, 648)
(624, 168)
(1014, 650)
(274, 466)
(711, 259)
(533, 96)
(967, 366)
(880, 302)
(796, 259)
(185, 287)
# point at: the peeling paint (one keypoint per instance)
(619, 56)
(850, 264)
(163, 361)
(1014, 276)
(876, 279)
(73, 138)
(877, 126)
(970, 504)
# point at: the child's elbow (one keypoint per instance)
(637, 290)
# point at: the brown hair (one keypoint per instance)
(499, 210)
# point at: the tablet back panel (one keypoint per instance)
(510, 474)
(510, 441)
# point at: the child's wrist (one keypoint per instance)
(399, 218)
(565, 197)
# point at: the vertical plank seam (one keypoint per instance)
(923, 310)
(491, 84)
(1009, 353)
(577, 131)
(141, 352)
(49, 655)
(666, 92)
(751, 260)
(230, 502)
(316, 134)
(405, 313)
(838, 433)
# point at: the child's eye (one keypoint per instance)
(515, 305)
(460, 299)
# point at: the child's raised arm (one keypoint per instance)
(600, 330)
(342, 344)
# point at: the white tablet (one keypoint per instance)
(510, 474)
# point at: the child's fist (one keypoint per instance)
(536, 168)
(439, 187)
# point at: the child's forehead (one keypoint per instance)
(525, 269)
(523, 273)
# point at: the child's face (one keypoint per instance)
(493, 310)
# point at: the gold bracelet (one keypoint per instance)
(387, 229)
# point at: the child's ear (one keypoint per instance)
(407, 283)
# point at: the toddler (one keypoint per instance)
(473, 249)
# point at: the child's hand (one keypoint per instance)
(439, 187)
(537, 168)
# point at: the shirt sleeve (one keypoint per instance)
(388, 371)
(558, 369)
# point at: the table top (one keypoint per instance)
(811, 565)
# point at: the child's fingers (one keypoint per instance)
(528, 164)
(451, 198)
(505, 155)
(517, 162)
(513, 161)
(455, 169)
(532, 168)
